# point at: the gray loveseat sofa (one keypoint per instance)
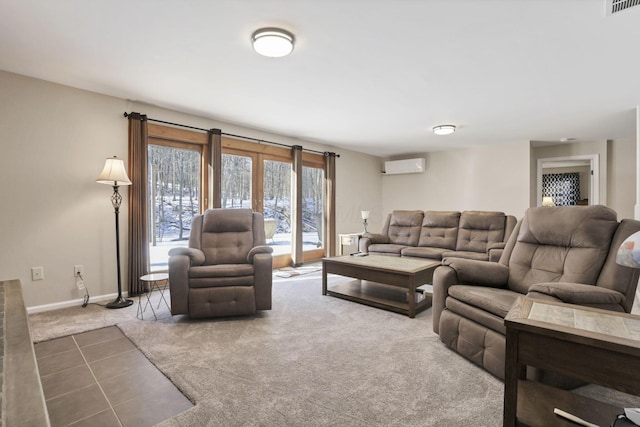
(479, 235)
(565, 254)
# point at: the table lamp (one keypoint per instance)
(629, 251)
(365, 217)
(548, 201)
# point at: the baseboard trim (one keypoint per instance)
(72, 303)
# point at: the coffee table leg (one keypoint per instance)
(412, 299)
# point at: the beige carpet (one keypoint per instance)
(313, 360)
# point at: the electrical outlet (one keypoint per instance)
(37, 273)
(78, 270)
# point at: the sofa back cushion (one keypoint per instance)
(227, 235)
(439, 229)
(404, 227)
(479, 228)
(561, 244)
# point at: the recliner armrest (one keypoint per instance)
(261, 249)
(195, 255)
(578, 293)
(481, 273)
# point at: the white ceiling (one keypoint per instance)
(367, 75)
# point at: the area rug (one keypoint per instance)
(312, 360)
(287, 272)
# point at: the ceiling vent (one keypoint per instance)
(615, 6)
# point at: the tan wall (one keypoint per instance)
(494, 177)
(54, 140)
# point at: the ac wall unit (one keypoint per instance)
(395, 167)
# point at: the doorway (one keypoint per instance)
(587, 166)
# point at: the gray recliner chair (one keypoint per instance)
(565, 254)
(226, 270)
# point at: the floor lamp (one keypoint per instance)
(114, 174)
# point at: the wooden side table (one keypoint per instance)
(153, 281)
(596, 346)
(348, 239)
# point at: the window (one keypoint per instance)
(312, 210)
(252, 175)
(176, 189)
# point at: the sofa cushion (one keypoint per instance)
(479, 228)
(386, 248)
(480, 256)
(221, 270)
(560, 244)
(227, 235)
(404, 227)
(497, 301)
(423, 252)
(439, 229)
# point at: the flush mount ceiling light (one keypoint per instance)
(272, 42)
(444, 129)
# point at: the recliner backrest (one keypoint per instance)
(225, 236)
(560, 244)
(479, 228)
(404, 227)
(439, 229)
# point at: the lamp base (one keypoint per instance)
(119, 302)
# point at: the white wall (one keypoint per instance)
(54, 140)
(494, 177)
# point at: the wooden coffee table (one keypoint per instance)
(383, 282)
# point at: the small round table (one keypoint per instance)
(152, 281)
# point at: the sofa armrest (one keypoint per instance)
(179, 265)
(263, 279)
(261, 249)
(578, 293)
(196, 256)
(454, 271)
(481, 273)
(376, 238)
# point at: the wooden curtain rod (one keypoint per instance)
(260, 141)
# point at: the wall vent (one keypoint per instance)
(615, 6)
(395, 167)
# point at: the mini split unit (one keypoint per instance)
(395, 167)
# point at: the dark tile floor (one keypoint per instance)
(99, 378)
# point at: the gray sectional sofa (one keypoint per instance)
(479, 235)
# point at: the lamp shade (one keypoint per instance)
(365, 214)
(629, 251)
(548, 201)
(113, 173)
(272, 42)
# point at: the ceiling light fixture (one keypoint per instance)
(444, 129)
(272, 42)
